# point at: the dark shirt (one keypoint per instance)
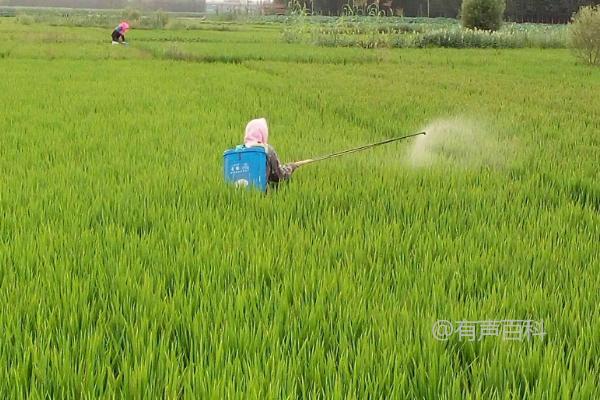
(275, 171)
(116, 35)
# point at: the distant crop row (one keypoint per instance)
(372, 32)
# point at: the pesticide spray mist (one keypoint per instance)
(459, 142)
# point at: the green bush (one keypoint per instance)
(158, 20)
(131, 14)
(25, 19)
(584, 34)
(483, 14)
(161, 19)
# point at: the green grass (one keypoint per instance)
(129, 269)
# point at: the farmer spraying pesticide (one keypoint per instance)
(118, 35)
(257, 135)
(255, 163)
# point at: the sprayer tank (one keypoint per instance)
(246, 167)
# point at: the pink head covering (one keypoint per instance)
(124, 27)
(257, 132)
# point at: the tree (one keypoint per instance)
(584, 34)
(483, 14)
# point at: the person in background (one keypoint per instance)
(257, 134)
(118, 35)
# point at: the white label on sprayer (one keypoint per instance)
(240, 169)
(241, 183)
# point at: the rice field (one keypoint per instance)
(128, 268)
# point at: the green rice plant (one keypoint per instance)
(128, 268)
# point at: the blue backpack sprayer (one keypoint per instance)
(247, 166)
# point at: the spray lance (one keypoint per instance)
(354, 150)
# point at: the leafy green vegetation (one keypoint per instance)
(584, 34)
(375, 31)
(128, 268)
(483, 14)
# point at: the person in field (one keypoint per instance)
(257, 134)
(118, 35)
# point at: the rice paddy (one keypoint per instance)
(128, 268)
